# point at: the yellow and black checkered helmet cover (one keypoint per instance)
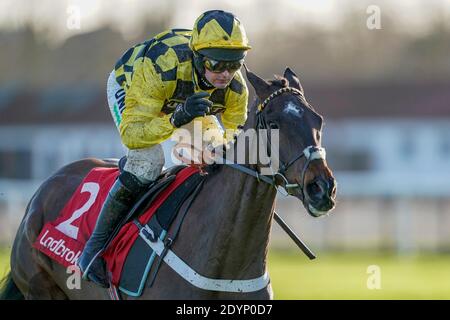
(218, 29)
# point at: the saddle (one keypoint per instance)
(165, 178)
(152, 220)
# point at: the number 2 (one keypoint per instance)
(66, 227)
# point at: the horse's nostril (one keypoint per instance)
(314, 189)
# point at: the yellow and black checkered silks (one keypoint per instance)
(218, 29)
(157, 75)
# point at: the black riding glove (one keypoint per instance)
(195, 106)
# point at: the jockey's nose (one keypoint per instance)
(226, 73)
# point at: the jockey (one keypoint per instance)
(160, 85)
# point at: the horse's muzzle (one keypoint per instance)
(321, 196)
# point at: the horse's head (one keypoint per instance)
(303, 170)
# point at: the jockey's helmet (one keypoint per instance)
(218, 41)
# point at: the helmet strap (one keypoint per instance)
(204, 83)
(198, 64)
(200, 71)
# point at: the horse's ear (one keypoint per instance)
(262, 87)
(293, 79)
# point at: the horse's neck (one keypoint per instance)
(226, 233)
(242, 215)
(240, 210)
(233, 218)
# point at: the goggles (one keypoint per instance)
(220, 66)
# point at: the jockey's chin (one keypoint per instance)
(219, 80)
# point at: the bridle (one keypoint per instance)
(310, 153)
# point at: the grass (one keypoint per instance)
(344, 275)
(4, 262)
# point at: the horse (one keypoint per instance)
(225, 237)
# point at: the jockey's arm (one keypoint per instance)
(235, 113)
(143, 124)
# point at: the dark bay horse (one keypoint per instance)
(225, 234)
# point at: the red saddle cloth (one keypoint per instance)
(63, 239)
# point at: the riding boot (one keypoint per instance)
(123, 194)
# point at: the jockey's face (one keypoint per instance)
(219, 80)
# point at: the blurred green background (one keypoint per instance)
(345, 276)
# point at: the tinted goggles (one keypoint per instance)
(221, 66)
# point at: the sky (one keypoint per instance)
(55, 18)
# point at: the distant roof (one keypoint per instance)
(88, 104)
(57, 105)
(382, 101)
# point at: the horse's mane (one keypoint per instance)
(279, 81)
(282, 82)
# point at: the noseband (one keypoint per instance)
(310, 153)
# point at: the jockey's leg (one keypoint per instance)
(143, 166)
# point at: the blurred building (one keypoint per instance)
(392, 171)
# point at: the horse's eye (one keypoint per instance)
(273, 125)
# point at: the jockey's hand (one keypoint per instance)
(195, 106)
